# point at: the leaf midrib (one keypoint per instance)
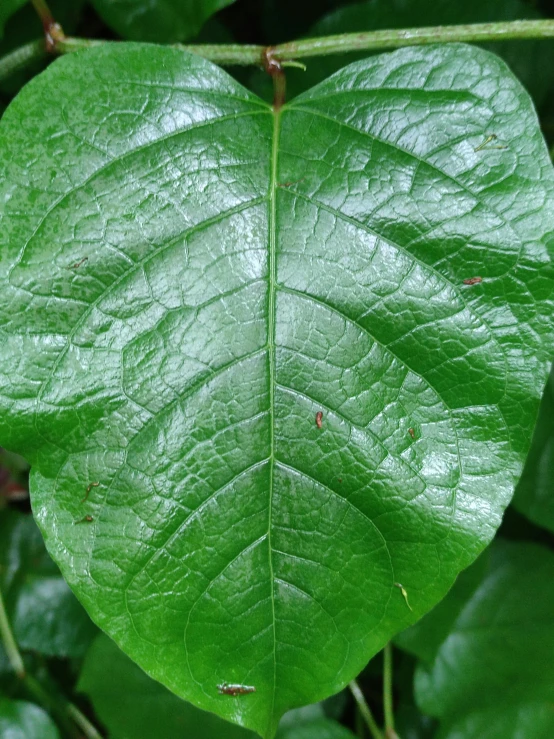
(272, 290)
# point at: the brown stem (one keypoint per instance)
(275, 70)
(53, 32)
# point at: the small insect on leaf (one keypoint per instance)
(318, 419)
(473, 280)
(235, 689)
(89, 488)
(486, 143)
(78, 264)
(412, 433)
(404, 593)
(86, 519)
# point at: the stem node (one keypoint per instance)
(275, 70)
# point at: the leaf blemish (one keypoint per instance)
(318, 419)
(86, 519)
(404, 593)
(290, 182)
(473, 280)
(234, 689)
(89, 488)
(488, 140)
(78, 264)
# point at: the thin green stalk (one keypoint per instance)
(387, 693)
(395, 38)
(44, 12)
(250, 54)
(365, 710)
(10, 645)
(359, 724)
(82, 722)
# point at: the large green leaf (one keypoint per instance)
(21, 720)
(45, 614)
(493, 675)
(535, 491)
(158, 20)
(189, 279)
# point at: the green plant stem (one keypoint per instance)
(82, 722)
(359, 724)
(9, 642)
(387, 693)
(364, 709)
(249, 54)
(44, 12)
(396, 38)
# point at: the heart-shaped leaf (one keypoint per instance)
(276, 372)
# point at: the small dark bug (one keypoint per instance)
(318, 419)
(412, 433)
(86, 519)
(235, 689)
(78, 264)
(473, 280)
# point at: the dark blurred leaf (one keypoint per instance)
(45, 614)
(531, 61)
(7, 9)
(25, 26)
(160, 21)
(21, 720)
(534, 495)
(133, 706)
(424, 638)
(493, 675)
(410, 723)
(318, 728)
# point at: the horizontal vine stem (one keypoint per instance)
(395, 38)
(237, 54)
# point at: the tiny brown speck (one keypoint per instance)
(412, 433)
(473, 280)
(318, 419)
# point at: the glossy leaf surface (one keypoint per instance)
(258, 396)
(535, 491)
(162, 21)
(22, 720)
(493, 675)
